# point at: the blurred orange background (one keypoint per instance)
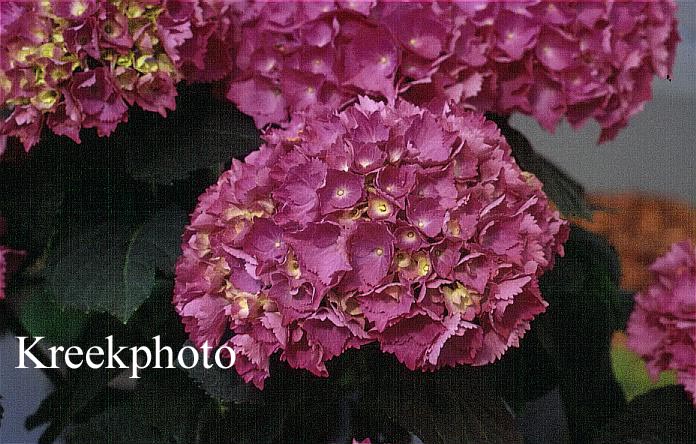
(641, 227)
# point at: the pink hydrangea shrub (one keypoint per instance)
(662, 327)
(578, 60)
(73, 64)
(379, 223)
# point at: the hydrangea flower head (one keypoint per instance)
(547, 59)
(380, 223)
(72, 64)
(662, 327)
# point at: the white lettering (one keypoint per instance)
(96, 351)
(28, 354)
(180, 357)
(74, 350)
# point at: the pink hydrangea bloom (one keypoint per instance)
(379, 223)
(578, 60)
(662, 327)
(365, 441)
(72, 64)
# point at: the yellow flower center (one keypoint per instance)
(125, 60)
(458, 295)
(134, 11)
(423, 265)
(146, 64)
(293, 267)
(46, 99)
(77, 8)
(243, 308)
(46, 50)
(379, 208)
(453, 227)
(403, 260)
(23, 53)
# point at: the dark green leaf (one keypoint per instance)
(111, 267)
(662, 416)
(158, 317)
(450, 406)
(77, 397)
(223, 385)
(163, 238)
(162, 409)
(31, 195)
(621, 304)
(85, 392)
(103, 269)
(244, 424)
(525, 373)
(41, 316)
(563, 190)
(576, 331)
(203, 132)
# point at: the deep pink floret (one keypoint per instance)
(662, 327)
(380, 223)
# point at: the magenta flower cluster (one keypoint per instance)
(662, 327)
(578, 60)
(379, 223)
(72, 64)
